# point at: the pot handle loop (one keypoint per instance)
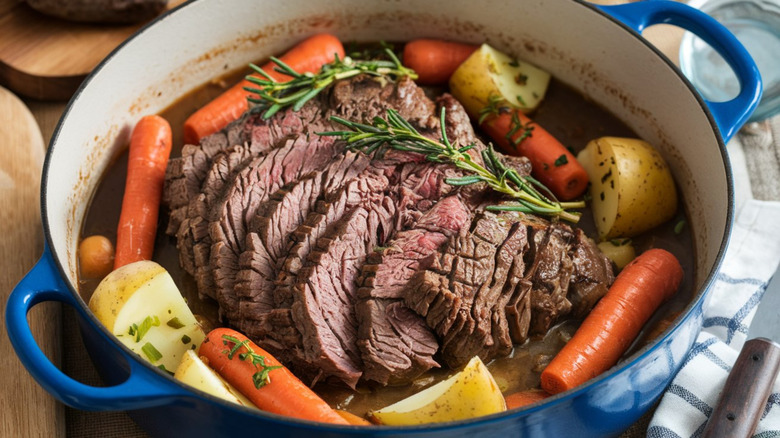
(142, 389)
(729, 115)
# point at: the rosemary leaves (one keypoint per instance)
(397, 133)
(272, 96)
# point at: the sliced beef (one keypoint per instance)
(185, 175)
(324, 298)
(509, 277)
(277, 331)
(249, 189)
(275, 222)
(395, 343)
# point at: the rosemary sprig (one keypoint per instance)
(396, 133)
(262, 376)
(272, 96)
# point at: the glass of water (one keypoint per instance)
(756, 24)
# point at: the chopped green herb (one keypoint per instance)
(678, 228)
(514, 63)
(620, 242)
(516, 126)
(521, 79)
(151, 353)
(186, 339)
(262, 376)
(520, 100)
(139, 331)
(561, 160)
(174, 323)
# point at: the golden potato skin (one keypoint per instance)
(488, 72)
(631, 186)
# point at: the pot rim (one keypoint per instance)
(688, 313)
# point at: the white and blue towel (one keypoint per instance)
(750, 262)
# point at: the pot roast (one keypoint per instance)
(350, 268)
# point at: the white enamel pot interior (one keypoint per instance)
(575, 41)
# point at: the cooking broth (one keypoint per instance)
(566, 114)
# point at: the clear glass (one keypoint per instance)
(756, 23)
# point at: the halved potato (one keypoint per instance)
(194, 372)
(470, 393)
(141, 305)
(488, 72)
(630, 184)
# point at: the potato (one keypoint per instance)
(621, 252)
(140, 304)
(630, 184)
(470, 393)
(488, 72)
(194, 372)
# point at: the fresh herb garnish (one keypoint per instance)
(273, 96)
(262, 376)
(185, 339)
(620, 241)
(174, 323)
(396, 133)
(517, 125)
(151, 353)
(139, 331)
(678, 227)
(561, 160)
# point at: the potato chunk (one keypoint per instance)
(488, 72)
(631, 186)
(470, 393)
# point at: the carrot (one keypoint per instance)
(522, 398)
(434, 61)
(282, 393)
(308, 56)
(353, 419)
(611, 327)
(553, 164)
(150, 147)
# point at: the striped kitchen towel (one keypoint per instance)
(750, 262)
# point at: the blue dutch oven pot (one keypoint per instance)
(598, 50)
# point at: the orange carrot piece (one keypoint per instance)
(352, 418)
(150, 147)
(553, 164)
(308, 56)
(522, 398)
(284, 394)
(434, 61)
(615, 322)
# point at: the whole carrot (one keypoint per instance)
(262, 379)
(150, 147)
(611, 327)
(523, 398)
(552, 164)
(308, 56)
(434, 61)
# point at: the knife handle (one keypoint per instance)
(746, 391)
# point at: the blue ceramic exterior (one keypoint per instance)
(605, 406)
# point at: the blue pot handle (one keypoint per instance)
(142, 389)
(729, 115)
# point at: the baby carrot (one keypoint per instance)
(522, 398)
(553, 165)
(262, 379)
(353, 419)
(308, 56)
(434, 61)
(150, 147)
(615, 322)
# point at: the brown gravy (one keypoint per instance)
(565, 113)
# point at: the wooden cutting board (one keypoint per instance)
(47, 58)
(26, 408)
